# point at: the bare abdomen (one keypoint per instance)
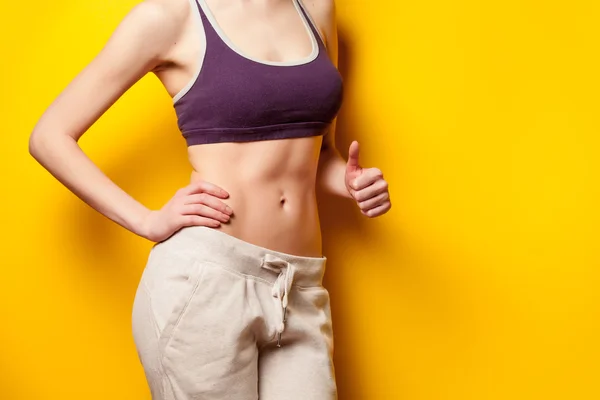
(271, 186)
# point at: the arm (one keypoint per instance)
(332, 166)
(347, 178)
(137, 46)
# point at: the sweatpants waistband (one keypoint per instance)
(217, 247)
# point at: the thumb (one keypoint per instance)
(352, 164)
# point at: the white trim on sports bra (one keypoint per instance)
(305, 60)
(200, 28)
(212, 20)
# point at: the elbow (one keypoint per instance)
(38, 145)
(42, 144)
(35, 145)
(49, 138)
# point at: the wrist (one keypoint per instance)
(138, 223)
(347, 193)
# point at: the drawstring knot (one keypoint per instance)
(281, 288)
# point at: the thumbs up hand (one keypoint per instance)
(366, 186)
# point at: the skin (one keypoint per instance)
(268, 195)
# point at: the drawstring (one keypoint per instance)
(281, 288)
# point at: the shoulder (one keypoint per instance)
(159, 18)
(154, 24)
(163, 13)
(320, 8)
(323, 13)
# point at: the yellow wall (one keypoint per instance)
(482, 283)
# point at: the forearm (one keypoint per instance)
(64, 159)
(331, 172)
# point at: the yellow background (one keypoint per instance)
(482, 282)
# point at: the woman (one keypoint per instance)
(231, 303)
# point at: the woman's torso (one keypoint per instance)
(271, 182)
(272, 191)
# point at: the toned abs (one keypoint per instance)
(272, 190)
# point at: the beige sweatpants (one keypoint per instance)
(216, 317)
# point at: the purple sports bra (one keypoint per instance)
(235, 98)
